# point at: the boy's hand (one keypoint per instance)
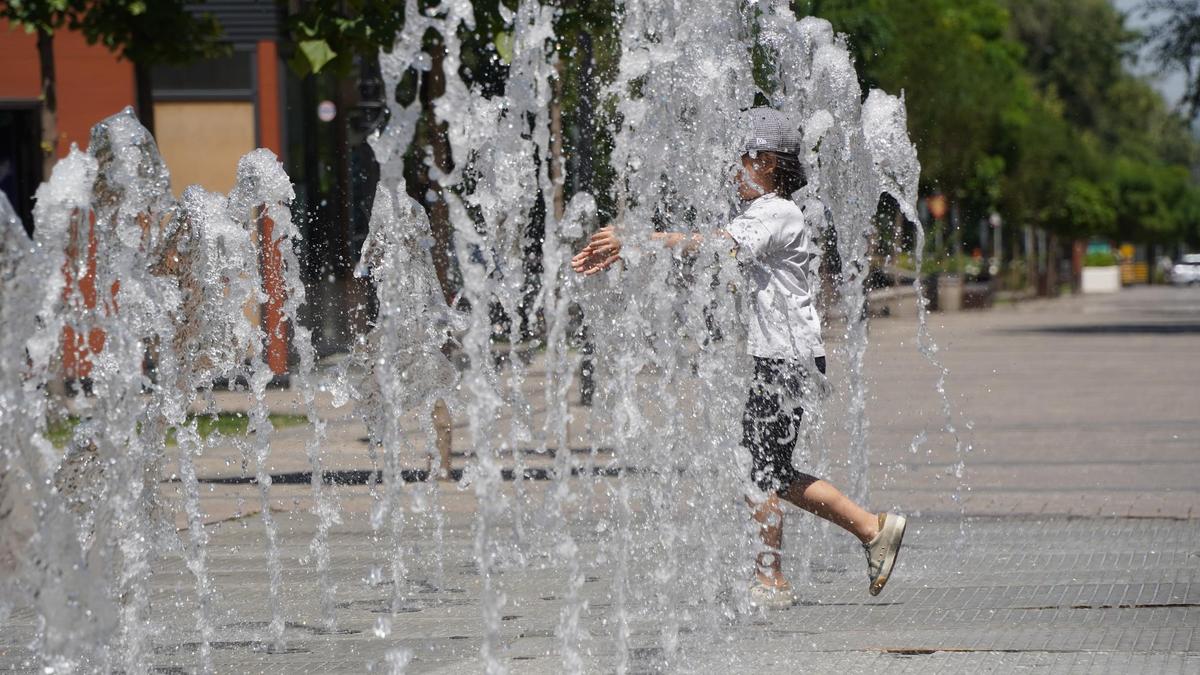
(602, 250)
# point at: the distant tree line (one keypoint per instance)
(1024, 107)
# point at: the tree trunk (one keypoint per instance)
(1053, 256)
(45, 47)
(433, 86)
(1078, 250)
(49, 153)
(1031, 273)
(556, 141)
(343, 225)
(1040, 264)
(583, 130)
(145, 96)
(318, 237)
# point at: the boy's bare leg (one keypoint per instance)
(768, 567)
(823, 499)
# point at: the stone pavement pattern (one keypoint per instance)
(1081, 552)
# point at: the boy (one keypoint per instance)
(779, 257)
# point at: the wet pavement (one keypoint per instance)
(1079, 420)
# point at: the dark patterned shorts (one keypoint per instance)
(771, 422)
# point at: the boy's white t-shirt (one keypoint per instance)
(780, 257)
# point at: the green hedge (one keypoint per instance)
(1099, 259)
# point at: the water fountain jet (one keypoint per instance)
(175, 278)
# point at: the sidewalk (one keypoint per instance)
(1079, 406)
(1078, 554)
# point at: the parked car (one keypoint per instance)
(1187, 270)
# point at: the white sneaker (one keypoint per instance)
(883, 549)
(771, 597)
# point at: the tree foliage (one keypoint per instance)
(1025, 106)
(331, 33)
(1123, 160)
(1176, 43)
(144, 32)
(141, 31)
(150, 32)
(1018, 105)
(44, 16)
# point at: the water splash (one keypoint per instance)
(211, 337)
(45, 564)
(134, 233)
(896, 164)
(403, 353)
(166, 320)
(174, 280)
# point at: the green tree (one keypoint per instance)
(1153, 201)
(1025, 106)
(1175, 43)
(43, 17)
(1055, 175)
(960, 72)
(333, 33)
(1096, 152)
(868, 25)
(146, 32)
(1072, 50)
(1134, 120)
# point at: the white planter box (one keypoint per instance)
(1101, 279)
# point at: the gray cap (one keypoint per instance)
(771, 131)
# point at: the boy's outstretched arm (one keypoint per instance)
(604, 248)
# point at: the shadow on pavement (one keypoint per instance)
(1112, 329)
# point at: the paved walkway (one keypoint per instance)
(1078, 554)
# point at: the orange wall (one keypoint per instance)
(18, 53)
(92, 82)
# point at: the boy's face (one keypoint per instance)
(754, 178)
